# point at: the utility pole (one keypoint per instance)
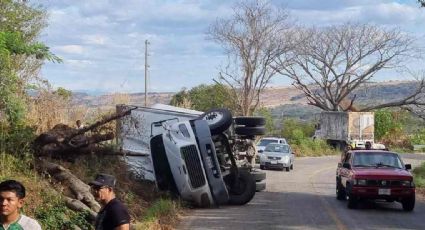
(146, 72)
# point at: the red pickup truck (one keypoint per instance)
(376, 175)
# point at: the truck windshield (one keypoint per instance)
(378, 159)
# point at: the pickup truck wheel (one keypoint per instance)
(219, 120)
(352, 202)
(241, 130)
(262, 167)
(408, 204)
(243, 190)
(340, 191)
(250, 121)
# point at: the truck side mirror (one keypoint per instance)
(346, 165)
(408, 166)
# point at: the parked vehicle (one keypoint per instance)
(278, 156)
(189, 154)
(376, 175)
(345, 130)
(263, 142)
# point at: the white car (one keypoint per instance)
(278, 156)
(268, 140)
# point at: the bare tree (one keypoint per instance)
(422, 2)
(253, 38)
(333, 61)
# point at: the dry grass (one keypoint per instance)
(48, 109)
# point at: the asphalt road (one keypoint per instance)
(305, 199)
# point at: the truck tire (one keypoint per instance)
(243, 190)
(408, 204)
(219, 120)
(250, 130)
(250, 121)
(258, 175)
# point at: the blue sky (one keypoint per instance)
(102, 41)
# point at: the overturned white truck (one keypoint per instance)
(192, 154)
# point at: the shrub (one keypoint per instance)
(160, 208)
(419, 175)
(290, 125)
(310, 147)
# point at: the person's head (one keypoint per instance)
(103, 188)
(12, 194)
(78, 122)
(368, 145)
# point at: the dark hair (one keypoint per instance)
(13, 186)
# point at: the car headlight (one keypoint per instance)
(407, 183)
(361, 182)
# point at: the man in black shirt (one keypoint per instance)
(113, 215)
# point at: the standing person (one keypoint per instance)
(12, 194)
(79, 125)
(113, 215)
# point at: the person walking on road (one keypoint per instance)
(113, 214)
(12, 194)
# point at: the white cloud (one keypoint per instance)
(102, 42)
(70, 49)
(95, 39)
(78, 64)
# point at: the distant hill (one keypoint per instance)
(284, 101)
(293, 102)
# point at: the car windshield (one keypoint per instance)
(278, 148)
(265, 142)
(376, 159)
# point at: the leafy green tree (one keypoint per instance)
(266, 113)
(205, 97)
(389, 122)
(63, 93)
(12, 103)
(294, 129)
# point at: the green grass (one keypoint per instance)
(163, 210)
(161, 207)
(41, 202)
(310, 147)
(419, 176)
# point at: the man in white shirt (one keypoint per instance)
(12, 194)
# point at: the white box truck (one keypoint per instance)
(343, 129)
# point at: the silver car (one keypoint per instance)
(268, 140)
(278, 156)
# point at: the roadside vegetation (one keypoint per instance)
(30, 106)
(419, 179)
(419, 173)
